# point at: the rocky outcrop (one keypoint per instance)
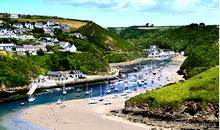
(191, 114)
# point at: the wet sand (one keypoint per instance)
(79, 115)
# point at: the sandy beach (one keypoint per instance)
(79, 115)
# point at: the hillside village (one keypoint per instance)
(19, 31)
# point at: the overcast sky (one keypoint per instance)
(121, 12)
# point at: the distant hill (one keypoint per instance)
(104, 38)
(199, 42)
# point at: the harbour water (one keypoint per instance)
(10, 111)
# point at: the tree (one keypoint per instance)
(27, 53)
(57, 31)
(40, 52)
(202, 24)
(38, 30)
(147, 24)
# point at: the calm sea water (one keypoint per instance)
(10, 111)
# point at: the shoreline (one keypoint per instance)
(94, 116)
(123, 67)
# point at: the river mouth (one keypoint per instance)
(9, 111)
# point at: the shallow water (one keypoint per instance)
(10, 111)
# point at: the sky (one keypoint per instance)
(121, 13)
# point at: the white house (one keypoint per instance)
(78, 35)
(29, 25)
(7, 47)
(14, 16)
(30, 48)
(18, 25)
(38, 25)
(51, 22)
(68, 47)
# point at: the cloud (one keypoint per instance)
(154, 6)
(108, 4)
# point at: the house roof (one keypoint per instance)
(75, 72)
(54, 73)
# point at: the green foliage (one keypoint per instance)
(86, 62)
(37, 30)
(203, 88)
(26, 42)
(115, 57)
(40, 52)
(54, 48)
(103, 38)
(16, 70)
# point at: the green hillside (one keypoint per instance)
(104, 38)
(99, 48)
(199, 42)
(16, 70)
(203, 88)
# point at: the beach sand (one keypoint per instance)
(79, 115)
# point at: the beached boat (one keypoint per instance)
(91, 100)
(59, 101)
(124, 94)
(107, 102)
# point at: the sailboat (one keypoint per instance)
(101, 97)
(87, 92)
(106, 101)
(64, 89)
(92, 101)
(108, 90)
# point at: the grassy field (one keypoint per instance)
(71, 23)
(203, 88)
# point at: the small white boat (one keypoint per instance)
(31, 98)
(108, 91)
(21, 104)
(64, 92)
(59, 101)
(101, 99)
(107, 102)
(92, 101)
(116, 89)
(87, 92)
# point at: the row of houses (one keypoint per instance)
(50, 25)
(66, 47)
(64, 75)
(153, 51)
